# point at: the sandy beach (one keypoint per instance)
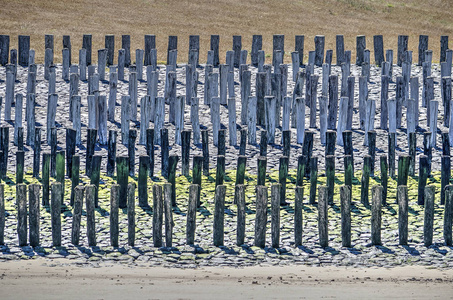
(46, 279)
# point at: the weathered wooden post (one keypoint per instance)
(143, 181)
(300, 115)
(422, 47)
(24, 49)
(121, 63)
(18, 117)
(286, 141)
(275, 215)
(378, 49)
(262, 165)
(364, 199)
(95, 177)
(445, 176)
(125, 119)
(20, 166)
(322, 216)
(429, 194)
(434, 105)
(172, 165)
(391, 153)
(111, 156)
(21, 202)
(345, 198)
(139, 63)
(232, 121)
(319, 50)
(113, 83)
(313, 163)
(219, 215)
(261, 216)
(75, 176)
(342, 120)
(131, 214)
(158, 210)
(131, 151)
(91, 143)
(251, 120)
(384, 178)
(194, 119)
(205, 151)
(402, 48)
(194, 191)
(45, 178)
(360, 48)
(427, 149)
(150, 43)
(330, 174)
(133, 94)
(114, 218)
(298, 218)
(331, 136)
(422, 178)
(448, 215)
(282, 175)
(257, 45)
(82, 65)
(377, 194)
(340, 49)
(363, 96)
(55, 212)
(179, 118)
(196, 173)
(77, 215)
(37, 152)
(34, 213)
(403, 170)
(402, 214)
(333, 102)
(122, 177)
(51, 113)
(9, 92)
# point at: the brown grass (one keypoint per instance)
(226, 18)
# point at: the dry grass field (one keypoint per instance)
(226, 18)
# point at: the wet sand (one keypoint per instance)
(38, 279)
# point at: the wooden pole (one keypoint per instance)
(158, 210)
(376, 192)
(330, 174)
(322, 216)
(240, 200)
(365, 182)
(34, 213)
(402, 214)
(448, 215)
(77, 214)
(114, 218)
(75, 176)
(122, 177)
(345, 198)
(21, 202)
(55, 212)
(218, 226)
(261, 216)
(275, 214)
(131, 214)
(445, 176)
(194, 191)
(428, 216)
